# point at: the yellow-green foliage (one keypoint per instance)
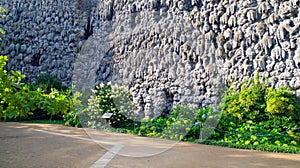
(18, 100)
(247, 102)
(282, 102)
(254, 114)
(12, 93)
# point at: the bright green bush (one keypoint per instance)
(247, 103)
(55, 102)
(62, 103)
(181, 120)
(55, 96)
(16, 99)
(282, 102)
(21, 103)
(255, 114)
(152, 127)
(71, 118)
(19, 100)
(180, 125)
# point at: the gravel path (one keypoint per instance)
(46, 145)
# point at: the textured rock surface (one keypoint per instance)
(43, 36)
(166, 52)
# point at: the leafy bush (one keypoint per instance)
(57, 100)
(108, 99)
(181, 120)
(56, 103)
(71, 118)
(19, 100)
(152, 127)
(16, 99)
(180, 125)
(55, 97)
(253, 117)
(256, 114)
(282, 102)
(47, 82)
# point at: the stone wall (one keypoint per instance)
(166, 52)
(43, 36)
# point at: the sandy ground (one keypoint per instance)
(31, 145)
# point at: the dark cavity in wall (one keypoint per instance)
(36, 60)
(88, 31)
(169, 105)
(87, 6)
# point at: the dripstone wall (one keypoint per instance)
(43, 36)
(166, 52)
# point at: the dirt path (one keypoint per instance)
(21, 146)
(40, 145)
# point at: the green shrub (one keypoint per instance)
(152, 127)
(282, 102)
(179, 125)
(256, 114)
(19, 100)
(247, 103)
(56, 97)
(47, 82)
(21, 103)
(62, 103)
(16, 99)
(71, 118)
(108, 99)
(55, 103)
(181, 119)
